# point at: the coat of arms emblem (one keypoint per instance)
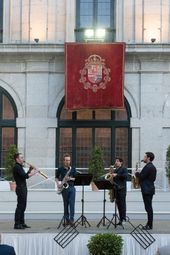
(95, 75)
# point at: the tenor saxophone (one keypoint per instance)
(109, 177)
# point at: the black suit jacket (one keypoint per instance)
(147, 178)
(6, 250)
(121, 178)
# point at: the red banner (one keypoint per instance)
(94, 75)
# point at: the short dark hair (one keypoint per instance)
(150, 155)
(120, 159)
(66, 155)
(16, 155)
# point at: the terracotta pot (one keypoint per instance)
(12, 186)
(94, 187)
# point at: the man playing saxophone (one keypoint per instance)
(120, 176)
(68, 191)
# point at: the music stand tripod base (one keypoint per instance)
(83, 180)
(103, 185)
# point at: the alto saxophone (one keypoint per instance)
(64, 183)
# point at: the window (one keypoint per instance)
(1, 20)
(8, 116)
(95, 14)
(79, 131)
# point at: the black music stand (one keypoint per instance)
(115, 216)
(83, 180)
(103, 185)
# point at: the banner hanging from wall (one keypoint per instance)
(94, 75)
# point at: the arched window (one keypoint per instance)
(8, 114)
(79, 131)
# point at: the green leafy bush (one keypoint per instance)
(105, 244)
(9, 162)
(96, 163)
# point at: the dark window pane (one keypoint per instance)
(104, 14)
(102, 114)
(103, 21)
(121, 144)
(86, 14)
(8, 135)
(102, 139)
(86, 21)
(7, 112)
(84, 115)
(65, 143)
(104, 9)
(65, 114)
(86, 9)
(83, 146)
(121, 115)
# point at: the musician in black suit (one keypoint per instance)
(20, 177)
(6, 250)
(147, 178)
(66, 175)
(120, 176)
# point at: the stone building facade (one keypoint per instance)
(32, 73)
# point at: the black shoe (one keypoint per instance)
(66, 223)
(19, 226)
(147, 227)
(72, 223)
(25, 226)
(119, 223)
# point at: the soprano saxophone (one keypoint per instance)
(135, 179)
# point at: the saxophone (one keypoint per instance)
(109, 177)
(135, 179)
(64, 183)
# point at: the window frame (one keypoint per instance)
(110, 31)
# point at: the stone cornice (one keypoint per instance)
(148, 48)
(59, 48)
(32, 48)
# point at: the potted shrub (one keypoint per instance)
(96, 164)
(9, 164)
(107, 243)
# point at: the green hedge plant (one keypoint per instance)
(96, 163)
(105, 244)
(9, 162)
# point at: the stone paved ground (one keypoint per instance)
(51, 226)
